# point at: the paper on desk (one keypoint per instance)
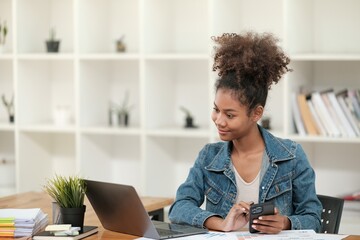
(284, 235)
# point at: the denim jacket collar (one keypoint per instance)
(222, 160)
(274, 148)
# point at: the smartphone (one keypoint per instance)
(260, 209)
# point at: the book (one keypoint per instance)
(353, 196)
(355, 102)
(341, 114)
(341, 96)
(335, 117)
(324, 115)
(22, 222)
(318, 122)
(296, 115)
(309, 122)
(49, 235)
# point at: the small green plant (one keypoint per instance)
(68, 192)
(3, 32)
(125, 108)
(186, 111)
(9, 105)
(52, 34)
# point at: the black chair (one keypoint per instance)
(331, 213)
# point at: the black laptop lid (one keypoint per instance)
(120, 209)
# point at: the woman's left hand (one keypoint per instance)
(272, 223)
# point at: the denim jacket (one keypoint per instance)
(286, 178)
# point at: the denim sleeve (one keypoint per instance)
(190, 196)
(307, 207)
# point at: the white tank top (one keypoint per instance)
(247, 192)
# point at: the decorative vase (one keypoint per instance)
(73, 216)
(52, 46)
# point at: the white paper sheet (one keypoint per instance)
(284, 235)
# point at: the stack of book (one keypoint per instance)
(22, 222)
(327, 113)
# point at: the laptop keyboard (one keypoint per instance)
(166, 232)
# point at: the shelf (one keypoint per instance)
(179, 132)
(109, 81)
(321, 139)
(234, 16)
(63, 100)
(118, 162)
(47, 128)
(103, 22)
(6, 56)
(35, 19)
(110, 56)
(177, 56)
(167, 30)
(106, 130)
(175, 156)
(321, 27)
(163, 107)
(45, 56)
(325, 57)
(45, 87)
(4, 126)
(48, 153)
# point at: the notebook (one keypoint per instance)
(48, 235)
(120, 209)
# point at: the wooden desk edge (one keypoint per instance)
(30, 199)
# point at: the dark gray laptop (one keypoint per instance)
(120, 209)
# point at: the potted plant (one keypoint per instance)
(69, 194)
(120, 45)
(9, 107)
(189, 119)
(124, 110)
(3, 33)
(52, 44)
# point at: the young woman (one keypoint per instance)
(250, 165)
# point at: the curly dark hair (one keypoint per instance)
(248, 64)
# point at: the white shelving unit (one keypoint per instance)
(167, 64)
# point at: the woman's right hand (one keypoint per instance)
(237, 218)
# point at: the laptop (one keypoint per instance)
(120, 209)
